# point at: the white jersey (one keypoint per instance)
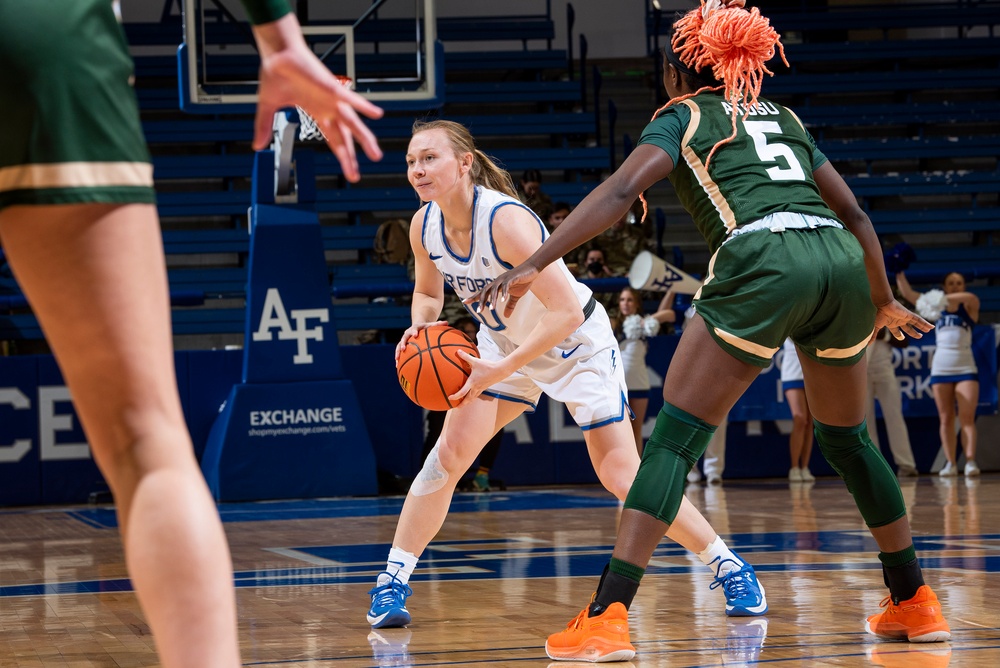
(584, 371)
(953, 352)
(467, 274)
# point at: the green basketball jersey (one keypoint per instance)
(766, 169)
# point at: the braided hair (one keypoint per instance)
(730, 42)
(722, 46)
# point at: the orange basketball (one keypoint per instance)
(430, 369)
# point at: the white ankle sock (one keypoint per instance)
(718, 552)
(400, 564)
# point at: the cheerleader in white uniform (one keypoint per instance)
(632, 328)
(954, 375)
(801, 439)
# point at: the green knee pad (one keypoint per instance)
(678, 440)
(869, 479)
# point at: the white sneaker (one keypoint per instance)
(694, 475)
(971, 468)
(807, 475)
(949, 470)
(794, 475)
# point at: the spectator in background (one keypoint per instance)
(552, 219)
(883, 385)
(954, 375)
(595, 264)
(623, 241)
(800, 441)
(632, 328)
(529, 191)
(392, 243)
(391, 246)
(556, 215)
(595, 267)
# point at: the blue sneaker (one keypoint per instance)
(744, 593)
(389, 604)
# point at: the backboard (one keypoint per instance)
(387, 47)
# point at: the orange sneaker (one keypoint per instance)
(918, 619)
(593, 639)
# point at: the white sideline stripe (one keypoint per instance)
(303, 556)
(483, 546)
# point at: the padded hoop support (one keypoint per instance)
(286, 129)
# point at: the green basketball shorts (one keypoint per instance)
(809, 284)
(70, 131)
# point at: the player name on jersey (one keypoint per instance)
(762, 108)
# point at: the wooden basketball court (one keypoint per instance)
(510, 568)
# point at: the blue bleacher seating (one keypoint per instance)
(919, 114)
(867, 81)
(240, 129)
(935, 221)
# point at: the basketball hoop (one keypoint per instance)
(287, 124)
(308, 128)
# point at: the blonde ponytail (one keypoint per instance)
(487, 173)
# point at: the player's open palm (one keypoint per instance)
(901, 321)
(290, 75)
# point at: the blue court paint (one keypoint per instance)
(514, 557)
(269, 511)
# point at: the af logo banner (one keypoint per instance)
(275, 317)
(290, 331)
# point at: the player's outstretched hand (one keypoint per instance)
(507, 289)
(901, 321)
(291, 74)
(411, 332)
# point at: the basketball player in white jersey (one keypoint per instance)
(559, 341)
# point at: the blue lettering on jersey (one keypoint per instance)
(466, 284)
(953, 320)
(490, 318)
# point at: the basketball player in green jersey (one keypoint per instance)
(792, 255)
(80, 230)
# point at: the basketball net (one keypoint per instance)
(308, 128)
(287, 126)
